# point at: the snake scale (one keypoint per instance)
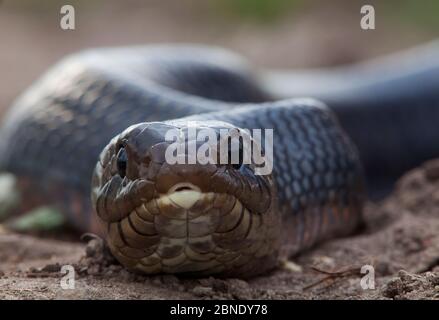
(96, 122)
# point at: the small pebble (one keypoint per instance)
(202, 291)
(292, 267)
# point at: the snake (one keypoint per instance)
(90, 139)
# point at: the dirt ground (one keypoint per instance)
(401, 242)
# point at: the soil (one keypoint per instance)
(400, 241)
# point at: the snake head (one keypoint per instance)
(172, 202)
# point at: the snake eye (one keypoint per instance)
(240, 151)
(122, 162)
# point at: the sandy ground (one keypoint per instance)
(401, 242)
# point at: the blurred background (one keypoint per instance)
(272, 33)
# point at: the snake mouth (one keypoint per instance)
(185, 198)
(184, 194)
(190, 231)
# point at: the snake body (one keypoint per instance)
(100, 108)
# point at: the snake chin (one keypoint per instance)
(190, 231)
